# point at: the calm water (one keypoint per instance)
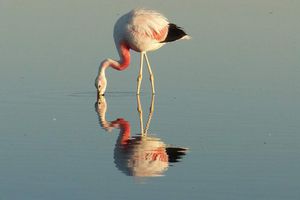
(226, 109)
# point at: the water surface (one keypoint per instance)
(230, 96)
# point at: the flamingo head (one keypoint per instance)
(101, 83)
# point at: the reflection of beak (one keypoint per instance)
(100, 85)
(99, 95)
(101, 100)
(101, 107)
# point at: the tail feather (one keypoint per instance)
(175, 153)
(175, 33)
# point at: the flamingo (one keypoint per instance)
(141, 155)
(141, 30)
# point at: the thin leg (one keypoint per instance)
(140, 76)
(140, 110)
(151, 74)
(150, 114)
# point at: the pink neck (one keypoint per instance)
(124, 62)
(124, 130)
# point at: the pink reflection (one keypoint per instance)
(142, 155)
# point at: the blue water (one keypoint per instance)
(229, 97)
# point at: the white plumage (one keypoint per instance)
(140, 26)
(141, 30)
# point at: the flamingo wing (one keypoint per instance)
(148, 23)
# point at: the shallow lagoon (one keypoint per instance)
(230, 95)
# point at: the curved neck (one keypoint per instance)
(124, 135)
(124, 53)
(123, 50)
(120, 65)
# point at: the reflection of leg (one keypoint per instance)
(150, 114)
(151, 74)
(140, 110)
(140, 76)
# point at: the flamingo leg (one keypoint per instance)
(140, 110)
(150, 114)
(151, 74)
(140, 76)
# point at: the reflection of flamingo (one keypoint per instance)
(141, 155)
(140, 30)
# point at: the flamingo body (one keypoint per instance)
(140, 30)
